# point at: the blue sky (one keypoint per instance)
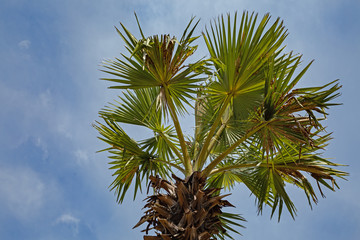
(52, 183)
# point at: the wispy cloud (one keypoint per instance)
(81, 156)
(24, 44)
(32, 114)
(69, 219)
(21, 191)
(39, 142)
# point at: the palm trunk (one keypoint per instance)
(183, 210)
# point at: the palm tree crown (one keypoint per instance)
(252, 124)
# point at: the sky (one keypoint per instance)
(53, 184)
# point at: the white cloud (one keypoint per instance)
(21, 191)
(24, 44)
(70, 220)
(43, 146)
(45, 98)
(82, 157)
(36, 115)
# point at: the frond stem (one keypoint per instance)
(170, 164)
(214, 140)
(186, 159)
(217, 160)
(172, 146)
(309, 169)
(236, 166)
(205, 148)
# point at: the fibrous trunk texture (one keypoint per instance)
(185, 210)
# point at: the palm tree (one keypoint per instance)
(252, 125)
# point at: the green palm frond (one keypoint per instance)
(158, 61)
(130, 162)
(229, 221)
(224, 179)
(291, 114)
(239, 56)
(267, 179)
(162, 143)
(116, 137)
(138, 107)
